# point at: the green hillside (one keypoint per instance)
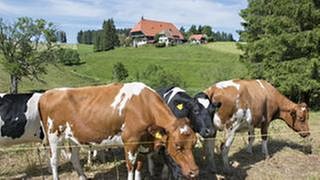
(198, 66)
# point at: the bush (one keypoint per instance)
(156, 76)
(160, 45)
(68, 57)
(119, 72)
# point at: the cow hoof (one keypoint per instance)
(267, 157)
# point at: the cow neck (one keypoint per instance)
(285, 106)
(165, 119)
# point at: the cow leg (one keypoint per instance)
(131, 155)
(226, 147)
(211, 165)
(264, 136)
(156, 164)
(54, 142)
(251, 139)
(75, 159)
(131, 158)
(137, 172)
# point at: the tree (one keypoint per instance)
(183, 31)
(79, 37)
(207, 30)
(110, 37)
(61, 36)
(192, 30)
(119, 72)
(156, 76)
(68, 56)
(282, 45)
(27, 47)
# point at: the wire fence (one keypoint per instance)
(101, 146)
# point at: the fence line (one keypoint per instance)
(93, 146)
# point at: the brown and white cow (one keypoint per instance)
(253, 104)
(115, 114)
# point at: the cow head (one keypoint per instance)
(179, 142)
(201, 114)
(298, 120)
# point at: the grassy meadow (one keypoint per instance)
(198, 66)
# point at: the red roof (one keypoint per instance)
(151, 28)
(197, 36)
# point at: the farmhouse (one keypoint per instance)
(145, 31)
(198, 39)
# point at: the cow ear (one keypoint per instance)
(160, 137)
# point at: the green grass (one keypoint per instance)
(198, 65)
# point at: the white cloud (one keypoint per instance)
(217, 13)
(7, 8)
(75, 8)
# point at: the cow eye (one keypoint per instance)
(196, 111)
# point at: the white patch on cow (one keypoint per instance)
(130, 175)
(260, 83)
(184, 129)
(54, 141)
(303, 109)
(62, 89)
(225, 84)
(137, 175)
(69, 134)
(50, 124)
(174, 91)
(204, 102)
(249, 117)
(132, 157)
(125, 94)
(265, 148)
(2, 94)
(123, 126)
(217, 121)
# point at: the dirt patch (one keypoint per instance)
(287, 164)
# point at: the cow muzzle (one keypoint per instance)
(207, 132)
(304, 134)
(193, 174)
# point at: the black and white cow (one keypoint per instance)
(199, 111)
(19, 119)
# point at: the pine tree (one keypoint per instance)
(282, 44)
(110, 37)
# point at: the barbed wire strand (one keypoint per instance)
(101, 146)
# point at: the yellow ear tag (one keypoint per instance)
(158, 135)
(180, 106)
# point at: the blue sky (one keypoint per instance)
(73, 15)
